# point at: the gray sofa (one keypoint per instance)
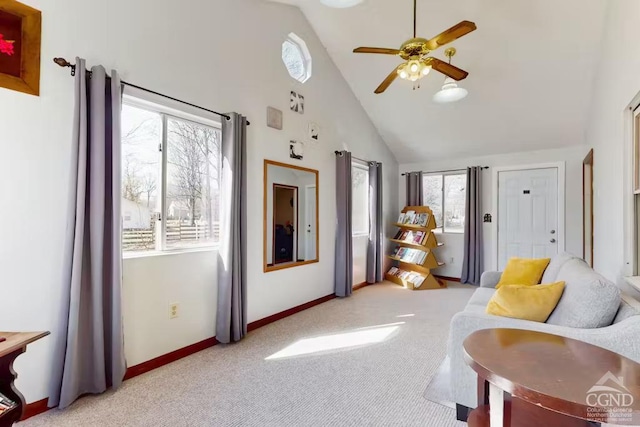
(591, 309)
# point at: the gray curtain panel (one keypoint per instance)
(376, 238)
(414, 188)
(231, 322)
(343, 276)
(473, 263)
(89, 353)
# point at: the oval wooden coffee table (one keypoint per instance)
(528, 378)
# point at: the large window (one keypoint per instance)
(360, 200)
(445, 194)
(170, 180)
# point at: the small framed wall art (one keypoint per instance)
(296, 150)
(314, 132)
(20, 32)
(274, 118)
(297, 102)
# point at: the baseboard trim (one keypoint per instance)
(278, 316)
(449, 279)
(35, 408)
(165, 359)
(360, 285)
(40, 406)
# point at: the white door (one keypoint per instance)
(527, 214)
(310, 222)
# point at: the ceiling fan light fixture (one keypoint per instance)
(341, 4)
(450, 92)
(413, 70)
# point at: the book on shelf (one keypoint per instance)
(6, 404)
(410, 276)
(413, 256)
(409, 217)
(401, 218)
(415, 237)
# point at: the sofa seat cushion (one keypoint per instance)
(589, 300)
(524, 302)
(481, 297)
(551, 273)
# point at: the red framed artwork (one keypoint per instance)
(20, 32)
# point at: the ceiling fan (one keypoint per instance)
(416, 51)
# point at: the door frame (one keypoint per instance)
(561, 166)
(308, 215)
(587, 162)
(294, 247)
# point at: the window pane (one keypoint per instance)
(432, 188)
(141, 136)
(293, 60)
(360, 201)
(454, 203)
(193, 191)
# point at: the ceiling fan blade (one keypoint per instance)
(380, 50)
(387, 82)
(447, 69)
(453, 33)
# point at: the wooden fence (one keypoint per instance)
(144, 239)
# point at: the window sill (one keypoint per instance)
(455, 233)
(150, 254)
(633, 281)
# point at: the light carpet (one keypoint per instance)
(368, 361)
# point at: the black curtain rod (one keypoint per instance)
(339, 153)
(450, 170)
(64, 63)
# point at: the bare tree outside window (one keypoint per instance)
(432, 188)
(192, 170)
(141, 135)
(360, 202)
(446, 196)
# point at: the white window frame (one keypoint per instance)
(298, 42)
(167, 109)
(443, 229)
(358, 164)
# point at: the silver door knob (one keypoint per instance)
(553, 231)
(552, 240)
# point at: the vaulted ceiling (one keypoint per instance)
(531, 65)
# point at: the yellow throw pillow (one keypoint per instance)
(526, 302)
(523, 271)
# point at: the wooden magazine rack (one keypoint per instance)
(427, 245)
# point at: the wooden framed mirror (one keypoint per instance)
(291, 230)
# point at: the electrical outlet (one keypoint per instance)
(173, 310)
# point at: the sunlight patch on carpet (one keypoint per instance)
(326, 343)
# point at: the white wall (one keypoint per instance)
(150, 285)
(220, 54)
(454, 243)
(618, 82)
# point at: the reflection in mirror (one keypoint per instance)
(290, 216)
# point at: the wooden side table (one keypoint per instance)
(528, 378)
(14, 344)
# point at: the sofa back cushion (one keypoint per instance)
(551, 273)
(589, 300)
(629, 306)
